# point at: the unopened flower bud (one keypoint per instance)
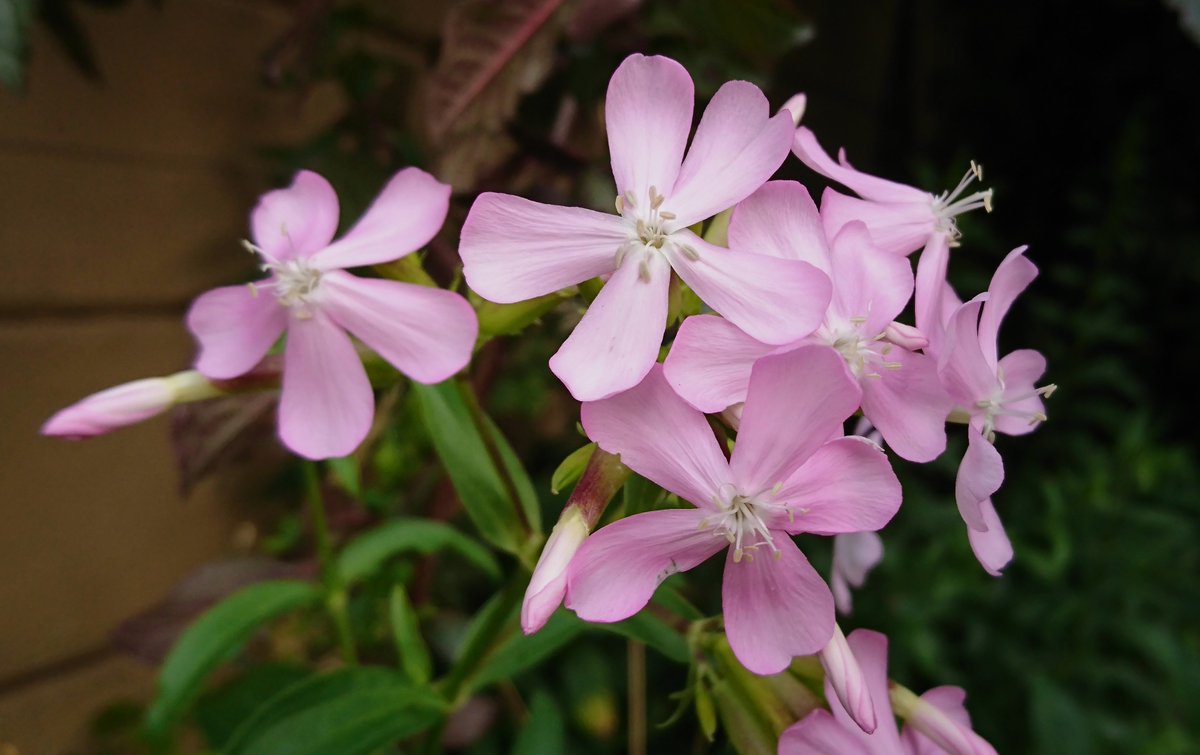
(549, 582)
(127, 404)
(906, 336)
(844, 676)
(936, 724)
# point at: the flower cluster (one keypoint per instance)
(804, 334)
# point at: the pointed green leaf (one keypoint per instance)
(571, 468)
(406, 631)
(546, 732)
(366, 553)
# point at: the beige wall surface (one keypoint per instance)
(119, 202)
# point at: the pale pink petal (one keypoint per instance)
(738, 145)
(992, 548)
(796, 402)
(773, 300)
(1021, 369)
(234, 326)
(298, 221)
(405, 216)
(780, 220)
(930, 286)
(115, 407)
(327, 405)
(810, 152)
(426, 333)
(980, 474)
(867, 282)
(898, 228)
(514, 249)
(776, 608)
(710, 361)
(548, 583)
(940, 725)
(855, 554)
(964, 371)
(648, 113)
(661, 438)
(616, 570)
(908, 406)
(1012, 277)
(617, 341)
(870, 650)
(819, 733)
(845, 678)
(847, 485)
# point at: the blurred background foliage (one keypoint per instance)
(1086, 118)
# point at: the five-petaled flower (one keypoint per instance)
(327, 404)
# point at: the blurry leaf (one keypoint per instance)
(214, 638)
(1060, 726)
(345, 471)
(545, 733)
(365, 554)
(492, 54)
(525, 651)
(406, 631)
(465, 458)
(219, 713)
(571, 468)
(14, 44)
(652, 631)
(59, 17)
(640, 495)
(352, 711)
(706, 712)
(207, 435)
(755, 31)
(531, 507)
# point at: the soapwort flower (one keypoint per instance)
(790, 472)
(327, 405)
(515, 249)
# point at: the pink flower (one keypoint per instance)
(514, 249)
(327, 405)
(790, 472)
(855, 554)
(937, 722)
(845, 678)
(998, 395)
(709, 364)
(127, 404)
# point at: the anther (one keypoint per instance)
(630, 198)
(620, 205)
(667, 215)
(892, 365)
(689, 252)
(253, 289)
(1048, 390)
(644, 270)
(858, 320)
(977, 169)
(656, 199)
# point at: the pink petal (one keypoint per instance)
(514, 249)
(898, 228)
(979, 476)
(648, 113)
(738, 146)
(964, 371)
(327, 405)
(405, 216)
(819, 733)
(661, 438)
(426, 333)
(115, 407)
(867, 282)
(941, 726)
(870, 650)
(773, 300)
(548, 583)
(298, 221)
(810, 152)
(992, 548)
(1012, 277)
(796, 402)
(780, 220)
(235, 326)
(930, 286)
(855, 554)
(847, 485)
(845, 678)
(1021, 370)
(775, 608)
(616, 570)
(710, 361)
(909, 406)
(617, 341)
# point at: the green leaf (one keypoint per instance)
(220, 712)
(526, 494)
(640, 495)
(14, 46)
(652, 631)
(524, 651)
(465, 458)
(352, 711)
(366, 553)
(546, 732)
(406, 631)
(214, 638)
(345, 471)
(571, 468)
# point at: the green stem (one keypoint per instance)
(335, 591)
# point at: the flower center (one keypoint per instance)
(951, 203)
(1000, 405)
(649, 230)
(742, 521)
(864, 355)
(294, 282)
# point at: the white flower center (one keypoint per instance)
(998, 405)
(865, 355)
(742, 521)
(294, 282)
(650, 231)
(951, 204)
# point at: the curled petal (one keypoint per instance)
(938, 718)
(962, 366)
(810, 152)
(298, 221)
(235, 326)
(327, 406)
(405, 216)
(819, 733)
(710, 361)
(992, 547)
(616, 571)
(843, 675)
(979, 476)
(648, 113)
(1021, 369)
(514, 249)
(1012, 277)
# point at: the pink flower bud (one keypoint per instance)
(845, 677)
(942, 727)
(797, 104)
(549, 582)
(126, 404)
